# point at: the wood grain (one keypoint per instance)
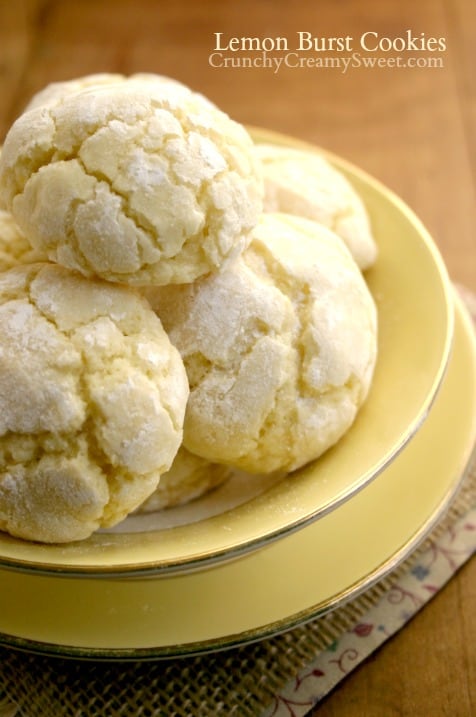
(412, 128)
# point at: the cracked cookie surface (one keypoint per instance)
(92, 400)
(279, 347)
(132, 182)
(189, 477)
(306, 184)
(14, 247)
(56, 91)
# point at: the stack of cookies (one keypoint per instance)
(176, 303)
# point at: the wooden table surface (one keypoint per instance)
(413, 128)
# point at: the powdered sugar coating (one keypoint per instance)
(135, 182)
(56, 91)
(92, 400)
(279, 348)
(306, 184)
(189, 477)
(14, 247)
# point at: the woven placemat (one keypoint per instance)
(250, 681)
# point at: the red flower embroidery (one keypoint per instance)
(363, 629)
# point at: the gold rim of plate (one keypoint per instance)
(415, 307)
(292, 581)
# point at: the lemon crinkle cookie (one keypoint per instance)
(279, 348)
(188, 478)
(54, 92)
(14, 247)
(306, 184)
(132, 182)
(92, 400)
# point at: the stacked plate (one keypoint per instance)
(258, 556)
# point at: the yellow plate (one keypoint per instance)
(272, 589)
(413, 295)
